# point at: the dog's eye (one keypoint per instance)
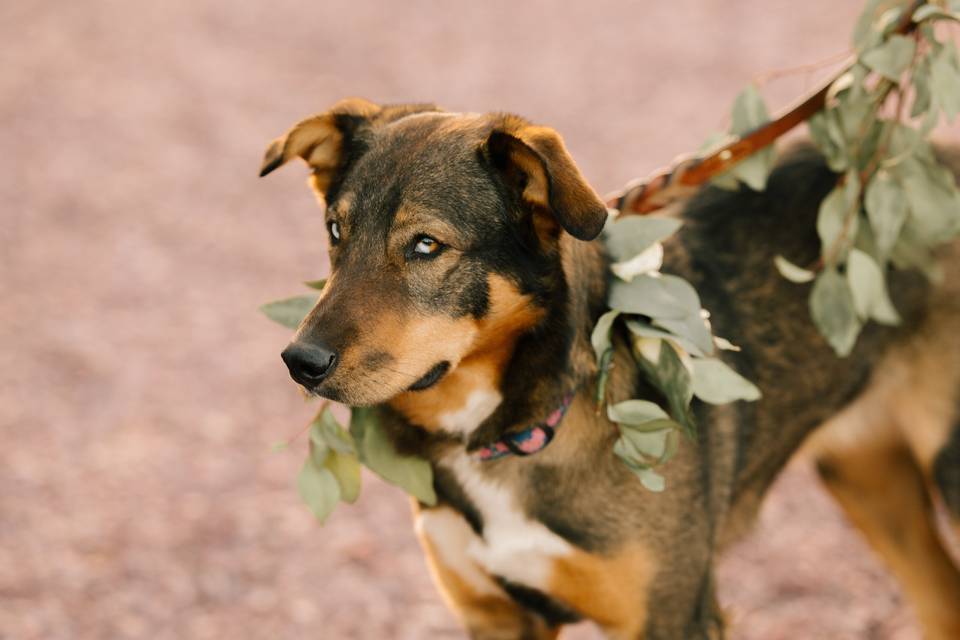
(334, 228)
(426, 246)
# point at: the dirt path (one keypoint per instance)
(139, 388)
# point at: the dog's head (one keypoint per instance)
(444, 241)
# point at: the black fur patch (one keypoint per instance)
(946, 472)
(552, 612)
(450, 492)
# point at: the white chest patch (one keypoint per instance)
(513, 546)
(478, 407)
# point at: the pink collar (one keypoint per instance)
(529, 441)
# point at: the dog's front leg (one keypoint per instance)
(484, 608)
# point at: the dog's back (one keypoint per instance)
(890, 411)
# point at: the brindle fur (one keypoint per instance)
(511, 304)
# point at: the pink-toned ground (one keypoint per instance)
(140, 390)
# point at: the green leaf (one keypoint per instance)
(945, 80)
(933, 203)
(692, 328)
(648, 261)
(629, 236)
(316, 284)
(652, 480)
(412, 474)
(646, 330)
(749, 111)
(328, 431)
(886, 206)
(600, 338)
(921, 84)
(636, 412)
(345, 467)
(289, 312)
(869, 289)
(635, 444)
(834, 152)
(674, 382)
(891, 58)
(831, 304)
(866, 33)
(754, 169)
(647, 296)
(717, 383)
(931, 12)
(318, 488)
(792, 272)
(832, 218)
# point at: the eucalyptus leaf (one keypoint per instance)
(636, 412)
(600, 338)
(869, 288)
(932, 12)
(412, 474)
(316, 284)
(715, 382)
(832, 217)
(886, 206)
(833, 311)
(652, 480)
(332, 434)
(637, 443)
(628, 236)
(891, 58)
(319, 489)
(834, 153)
(792, 272)
(693, 329)
(646, 330)
(933, 206)
(649, 260)
(289, 312)
(345, 467)
(647, 296)
(749, 111)
(945, 80)
(674, 382)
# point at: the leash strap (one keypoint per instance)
(679, 180)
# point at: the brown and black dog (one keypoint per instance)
(464, 286)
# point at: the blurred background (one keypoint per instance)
(140, 389)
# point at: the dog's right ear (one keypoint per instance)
(321, 140)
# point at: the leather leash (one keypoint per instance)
(687, 173)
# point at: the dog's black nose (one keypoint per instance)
(309, 364)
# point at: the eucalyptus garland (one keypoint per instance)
(892, 205)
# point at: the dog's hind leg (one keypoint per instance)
(873, 470)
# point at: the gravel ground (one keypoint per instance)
(139, 388)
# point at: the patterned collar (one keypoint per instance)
(529, 441)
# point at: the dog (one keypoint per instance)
(466, 277)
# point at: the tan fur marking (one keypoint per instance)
(490, 347)
(611, 590)
(487, 616)
(872, 468)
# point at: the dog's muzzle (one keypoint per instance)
(309, 364)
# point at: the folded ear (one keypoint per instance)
(321, 140)
(534, 161)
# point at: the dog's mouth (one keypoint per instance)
(432, 377)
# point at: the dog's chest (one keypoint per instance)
(512, 545)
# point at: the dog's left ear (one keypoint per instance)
(321, 140)
(534, 161)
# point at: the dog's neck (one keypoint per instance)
(525, 366)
